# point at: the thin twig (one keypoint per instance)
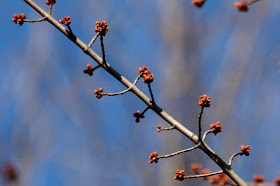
(146, 109)
(232, 157)
(93, 39)
(203, 175)
(50, 9)
(158, 110)
(167, 128)
(179, 152)
(199, 122)
(124, 91)
(205, 134)
(70, 30)
(35, 21)
(103, 50)
(151, 93)
(41, 19)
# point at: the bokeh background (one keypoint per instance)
(55, 132)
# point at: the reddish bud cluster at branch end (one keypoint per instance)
(179, 175)
(158, 128)
(242, 5)
(198, 3)
(98, 93)
(216, 127)
(277, 179)
(258, 178)
(66, 20)
(245, 150)
(19, 19)
(138, 115)
(101, 27)
(50, 2)
(204, 101)
(9, 172)
(153, 157)
(89, 70)
(146, 74)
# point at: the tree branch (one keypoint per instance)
(164, 115)
(203, 175)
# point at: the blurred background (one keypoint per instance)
(54, 131)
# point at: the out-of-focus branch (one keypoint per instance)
(164, 115)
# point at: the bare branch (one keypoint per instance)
(151, 92)
(205, 134)
(93, 39)
(204, 175)
(232, 157)
(124, 91)
(103, 49)
(41, 19)
(199, 122)
(168, 128)
(179, 152)
(163, 114)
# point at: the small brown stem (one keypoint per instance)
(41, 19)
(70, 30)
(168, 128)
(203, 175)
(232, 157)
(199, 122)
(103, 49)
(179, 152)
(151, 93)
(50, 9)
(35, 21)
(124, 91)
(146, 109)
(205, 134)
(93, 39)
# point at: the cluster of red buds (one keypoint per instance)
(153, 157)
(66, 20)
(196, 168)
(245, 150)
(277, 179)
(50, 2)
(98, 93)
(219, 179)
(138, 115)
(101, 27)
(258, 178)
(216, 127)
(89, 70)
(9, 172)
(146, 74)
(198, 3)
(158, 128)
(179, 175)
(242, 5)
(204, 101)
(19, 19)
